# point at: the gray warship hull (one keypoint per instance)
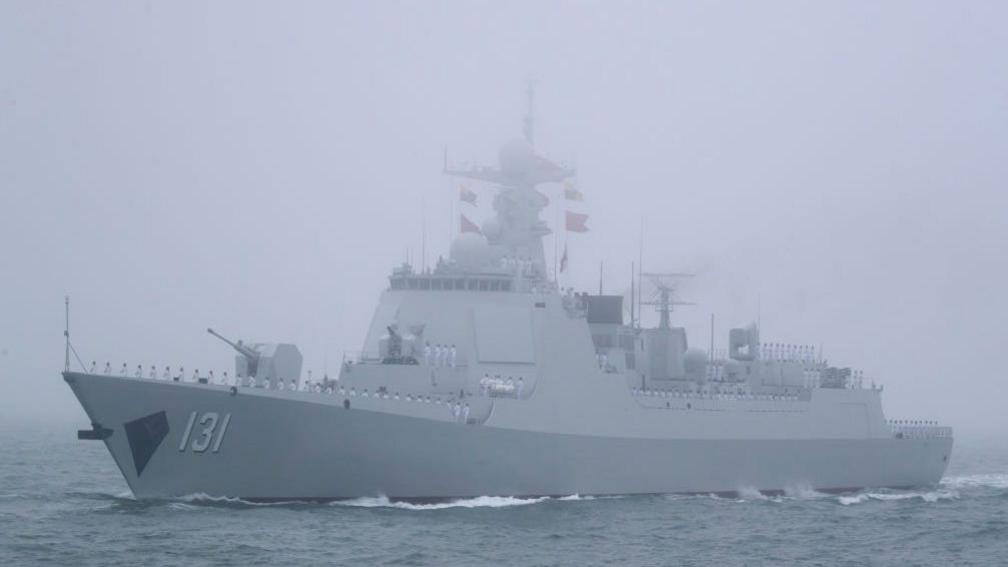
(268, 445)
(484, 375)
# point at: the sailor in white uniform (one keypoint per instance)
(225, 380)
(122, 371)
(465, 413)
(167, 373)
(210, 378)
(195, 375)
(266, 384)
(153, 372)
(456, 410)
(181, 374)
(521, 385)
(280, 385)
(108, 368)
(427, 353)
(451, 356)
(93, 364)
(138, 372)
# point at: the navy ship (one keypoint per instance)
(483, 376)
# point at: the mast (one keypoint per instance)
(520, 170)
(66, 332)
(423, 236)
(640, 266)
(712, 338)
(632, 301)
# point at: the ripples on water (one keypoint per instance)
(63, 502)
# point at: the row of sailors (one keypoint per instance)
(784, 352)
(307, 385)
(456, 409)
(498, 386)
(911, 422)
(921, 431)
(440, 355)
(459, 411)
(720, 396)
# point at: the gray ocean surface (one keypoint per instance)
(63, 502)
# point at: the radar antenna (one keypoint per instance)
(664, 295)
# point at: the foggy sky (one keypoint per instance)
(838, 170)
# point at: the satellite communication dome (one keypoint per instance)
(516, 158)
(470, 250)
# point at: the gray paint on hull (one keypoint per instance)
(290, 447)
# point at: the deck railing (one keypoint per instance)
(919, 430)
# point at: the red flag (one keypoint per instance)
(466, 196)
(576, 222)
(468, 225)
(563, 259)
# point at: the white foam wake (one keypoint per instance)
(750, 493)
(927, 496)
(990, 480)
(576, 498)
(803, 492)
(478, 502)
(201, 497)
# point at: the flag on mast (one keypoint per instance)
(468, 225)
(563, 260)
(576, 222)
(467, 196)
(571, 193)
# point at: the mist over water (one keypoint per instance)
(835, 171)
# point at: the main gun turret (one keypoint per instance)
(265, 360)
(251, 356)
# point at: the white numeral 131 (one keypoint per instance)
(206, 426)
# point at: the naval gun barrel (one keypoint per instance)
(243, 350)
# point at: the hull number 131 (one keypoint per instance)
(207, 431)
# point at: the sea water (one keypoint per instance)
(63, 502)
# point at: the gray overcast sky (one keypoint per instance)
(259, 168)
